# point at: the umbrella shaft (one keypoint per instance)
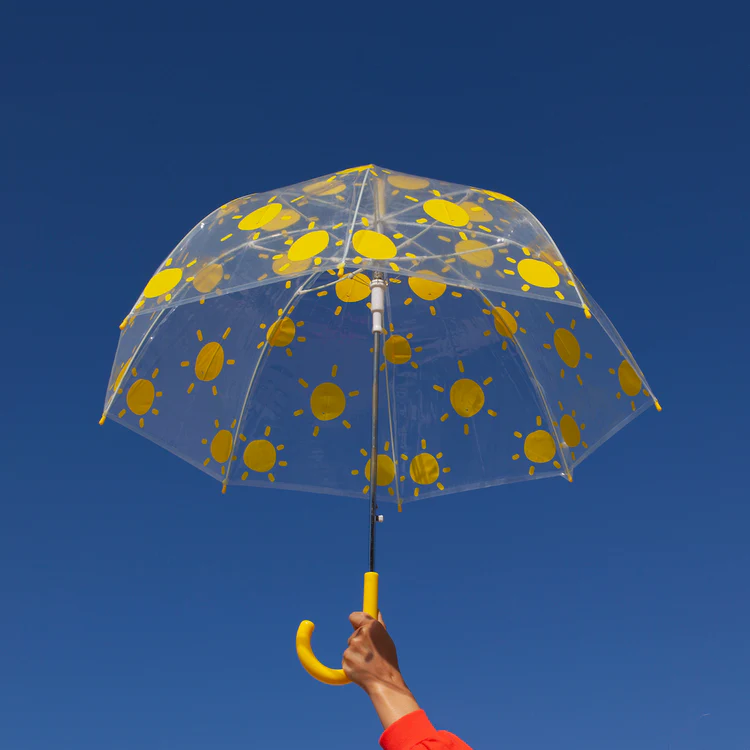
(374, 444)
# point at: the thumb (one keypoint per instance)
(357, 619)
(381, 620)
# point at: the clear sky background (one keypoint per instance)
(140, 608)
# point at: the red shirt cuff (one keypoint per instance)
(409, 730)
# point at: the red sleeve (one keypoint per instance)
(415, 732)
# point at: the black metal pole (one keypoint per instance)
(374, 445)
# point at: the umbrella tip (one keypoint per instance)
(103, 419)
(657, 405)
(341, 270)
(124, 323)
(223, 489)
(586, 311)
(570, 477)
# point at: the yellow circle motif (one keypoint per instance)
(476, 253)
(424, 469)
(475, 211)
(407, 182)
(353, 289)
(324, 188)
(285, 219)
(208, 278)
(386, 470)
(425, 286)
(221, 446)
(397, 350)
(373, 244)
(567, 347)
(629, 380)
(260, 217)
(162, 282)
(140, 396)
(505, 323)
(281, 333)
(446, 212)
(284, 267)
(539, 447)
(210, 361)
(538, 273)
(571, 433)
(327, 402)
(260, 456)
(308, 245)
(467, 397)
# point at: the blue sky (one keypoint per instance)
(141, 608)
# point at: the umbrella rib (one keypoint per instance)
(354, 220)
(137, 351)
(615, 338)
(539, 390)
(262, 359)
(391, 404)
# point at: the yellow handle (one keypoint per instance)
(304, 634)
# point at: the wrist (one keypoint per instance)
(384, 686)
(392, 700)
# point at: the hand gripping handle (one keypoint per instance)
(304, 634)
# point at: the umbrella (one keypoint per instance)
(376, 335)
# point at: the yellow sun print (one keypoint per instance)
(283, 266)
(476, 254)
(161, 284)
(282, 332)
(140, 396)
(571, 430)
(327, 402)
(426, 285)
(260, 217)
(285, 219)
(629, 380)
(466, 397)
(398, 349)
(538, 447)
(261, 456)
(220, 449)
(567, 347)
(209, 362)
(208, 277)
(352, 289)
(425, 469)
(386, 470)
(505, 322)
(476, 211)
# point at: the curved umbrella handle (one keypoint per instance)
(304, 634)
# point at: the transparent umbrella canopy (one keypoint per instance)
(372, 333)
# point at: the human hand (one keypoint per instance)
(372, 663)
(371, 659)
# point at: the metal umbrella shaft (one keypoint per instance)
(374, 445)
(377, 307)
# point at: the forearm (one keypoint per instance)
(392, 701)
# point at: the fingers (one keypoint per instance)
(381, 620)
(358, 619)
